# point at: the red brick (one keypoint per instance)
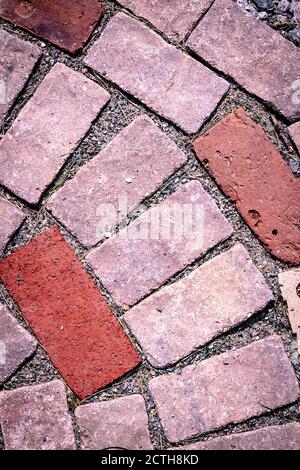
(131, 167)
(283, 437)
(37, 418)
(249, 169)
(175, 19)
(47, 131)
(18, 59)
(164, 78)
(225, 389)
(294, 131)
(11, 217)
(68, 314)
(177, 319)
(67, 24)
(289, 281)
(254, 55)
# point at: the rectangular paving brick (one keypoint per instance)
(176, 320)
(224, 389)
(268, 65)
(37, 418)
(135, 163)
(283, 437)
(165, 79)
(294, 131)
(11, 217)
(175, 18)
(250, 170)
(16, 344)
(71, 319)
(47, 131)
(121, 422)
(17, 60)
(159, 243)
(67, 24)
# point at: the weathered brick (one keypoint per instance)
(283, 437)
(69, 316)
(16, 344)
(11, 217)
(36, 418)
(47, 130)
(289, 282)
(18, 59)
(143, 256)
(174, 321)
(165, 79)
(249, 169)
(121, 422)
(131, 167)
(65, 24)
(224, 389)
(175, 19)
(294, 131)
(268, 65)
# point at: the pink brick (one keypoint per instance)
(47, 131)
(228, 388)
(289, 281)
(121, 422)
(283, 437)
(294, 130)
(11, 217)
(176, 320)
(165, 79)
(266, 65)
(175, 18)
(18, 58)
(36, 418)
(16, 344)
(143, 256)
(131, 167)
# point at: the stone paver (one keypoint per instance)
(294, 131)
(17, 60)
(175, 19)
(137, 161)
(284, 437)
(228, 388)
(159, 243)
(11, 217)
(47, 130)
(36, 418)
(249, 169)
(68, 314)
(165, 79)
(121, 422)
(174, 321)
(16, 344)
(289, 281)
(266, 65)
(67, 24)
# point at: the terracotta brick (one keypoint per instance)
(175, 19)
(294, 131)
(268, 65)
(289, 281)
(165, 79)
(36, 418)
(16, 344)
(283, 437)
(68, 314)
(47, 131)
(18, 59)
(121, 422)
(249, 169)
(224, 389)
(146, 254)
(176, 320)
(67, 24)
(135, 163)
(11, 217)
